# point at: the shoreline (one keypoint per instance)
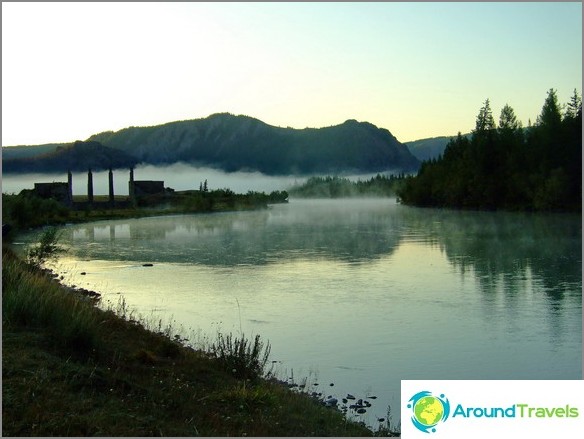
(126, 357)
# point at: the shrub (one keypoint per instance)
(46, 249)
(241, 357)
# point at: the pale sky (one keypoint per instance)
(70, 70)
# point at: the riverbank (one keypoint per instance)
(71, 369)
(26, 210)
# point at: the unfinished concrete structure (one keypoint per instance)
(63, 192)
(141, 188)
(58, 191)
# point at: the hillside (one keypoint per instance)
(233, 143)
(77, 156)
(430, 148)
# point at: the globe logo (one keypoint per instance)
(428, 410)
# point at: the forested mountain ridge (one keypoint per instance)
(233, 143)
(507, 167)
(243, 143)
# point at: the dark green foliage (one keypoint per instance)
(509, 168)
(340, 187)
(27, 210)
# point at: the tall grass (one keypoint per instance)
(240, 356)
(31, 298)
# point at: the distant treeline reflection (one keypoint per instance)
(501, 250)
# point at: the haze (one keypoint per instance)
(70, 70)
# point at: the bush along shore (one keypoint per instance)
(72, 369)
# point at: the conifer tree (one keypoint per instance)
(508, 121)
(551, 114)
(574, 107)
(485, 121)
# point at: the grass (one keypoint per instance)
(71, 369)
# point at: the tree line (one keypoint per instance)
(342, 187)
(507, 166)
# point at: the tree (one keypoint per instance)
(508, 121)
(205, 187)
(551, 114)
(485, 121)
(574, 107)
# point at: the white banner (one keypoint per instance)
(478, 408)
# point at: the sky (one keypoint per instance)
(70, 70)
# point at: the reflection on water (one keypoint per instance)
(360, 293)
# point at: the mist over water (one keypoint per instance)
(359, 293)
(179, 177)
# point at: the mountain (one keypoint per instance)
(430, 148)
(233, 143)
(77, 156)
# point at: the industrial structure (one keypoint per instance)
(63, 191)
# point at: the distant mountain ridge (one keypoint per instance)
(76, 156)
(234, 143)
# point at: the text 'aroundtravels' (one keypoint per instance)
(516, 410)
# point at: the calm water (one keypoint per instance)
(359, 293)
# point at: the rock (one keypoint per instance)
(83, 273)
(331, 402)
(361, 411)
(349, 396)
(147, 265)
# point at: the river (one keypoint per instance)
(354, 295)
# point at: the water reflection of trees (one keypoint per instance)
(253, 238)
(506, 250)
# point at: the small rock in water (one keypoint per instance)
(331, 402)
(349, 396)
(83, 273)
(361, 411)
(147, 265)
(331, 384)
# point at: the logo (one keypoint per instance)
(428, 410)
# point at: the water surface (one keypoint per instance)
(359, 293)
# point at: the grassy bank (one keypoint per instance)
(71, 369)
(26, 210)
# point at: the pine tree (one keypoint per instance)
(574, 106)
(551, 114)
(485, 121)
(508, 121)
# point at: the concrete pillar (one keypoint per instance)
(131, 184)
(111, 187)
(89, 186)
(69, 188)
